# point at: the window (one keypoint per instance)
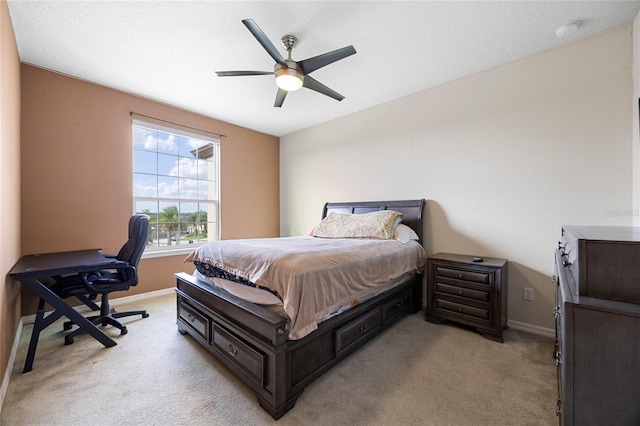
(175, 183)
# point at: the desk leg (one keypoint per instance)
(61, 308)
(40, 324)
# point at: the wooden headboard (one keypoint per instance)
(410, 209)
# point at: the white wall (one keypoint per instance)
(504, 158)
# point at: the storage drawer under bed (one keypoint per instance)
(358, 329)
(194, 319)
(250, 360)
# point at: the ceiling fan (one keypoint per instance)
(292, 75)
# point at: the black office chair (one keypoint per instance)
(121, 276)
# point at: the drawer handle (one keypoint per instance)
(557, 356)
(459, 275)
(556, 311)
(364, 328)
(460, 292)
(459, 308)
(399, 305)
(191, 318)
(232, 351)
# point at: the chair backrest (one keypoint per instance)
(132, 250)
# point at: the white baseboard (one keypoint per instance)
(30, 319)
(530, 328)
(12, 357)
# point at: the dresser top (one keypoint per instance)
(605, 233)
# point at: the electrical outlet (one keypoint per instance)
(528, 293)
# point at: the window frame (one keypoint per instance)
(213, 225)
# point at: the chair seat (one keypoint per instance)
(105, 282)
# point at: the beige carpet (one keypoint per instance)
(415, 373)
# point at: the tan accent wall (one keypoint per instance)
(77, 178)
(9, 187)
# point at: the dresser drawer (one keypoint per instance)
(458, 308)
(352, 332)
(247, 358)
(463, 292)
(194, 319)
(479, 277)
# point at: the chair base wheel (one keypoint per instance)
(68, 340)
(145, 315)
(123, 331)
(67, 326)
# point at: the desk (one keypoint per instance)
(30, 270)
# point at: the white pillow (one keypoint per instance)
(404, 234)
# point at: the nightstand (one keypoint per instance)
(473, 293)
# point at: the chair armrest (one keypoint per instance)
(89, 278)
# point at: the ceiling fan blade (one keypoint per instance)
(280, 97)
(313, 84)
(312, 64)
(241, 73)
(264, 40)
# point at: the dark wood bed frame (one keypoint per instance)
(252, 341)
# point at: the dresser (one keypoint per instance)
(597, 316)
(467, 292)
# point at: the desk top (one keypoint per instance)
(49, 264)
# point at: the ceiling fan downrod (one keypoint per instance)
(289, 43)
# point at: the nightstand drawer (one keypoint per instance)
(483, 296)
(479, 277)
(463, 309)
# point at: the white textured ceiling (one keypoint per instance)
(168, 51)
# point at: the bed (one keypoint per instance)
(261, 345)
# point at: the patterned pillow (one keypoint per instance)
(380, 225)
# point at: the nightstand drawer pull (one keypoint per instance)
(364, 328)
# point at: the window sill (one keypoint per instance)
(164, 253)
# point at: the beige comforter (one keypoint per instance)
(314, 276)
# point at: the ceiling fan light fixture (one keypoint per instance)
(289, 79)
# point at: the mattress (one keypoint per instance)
(314, 277)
